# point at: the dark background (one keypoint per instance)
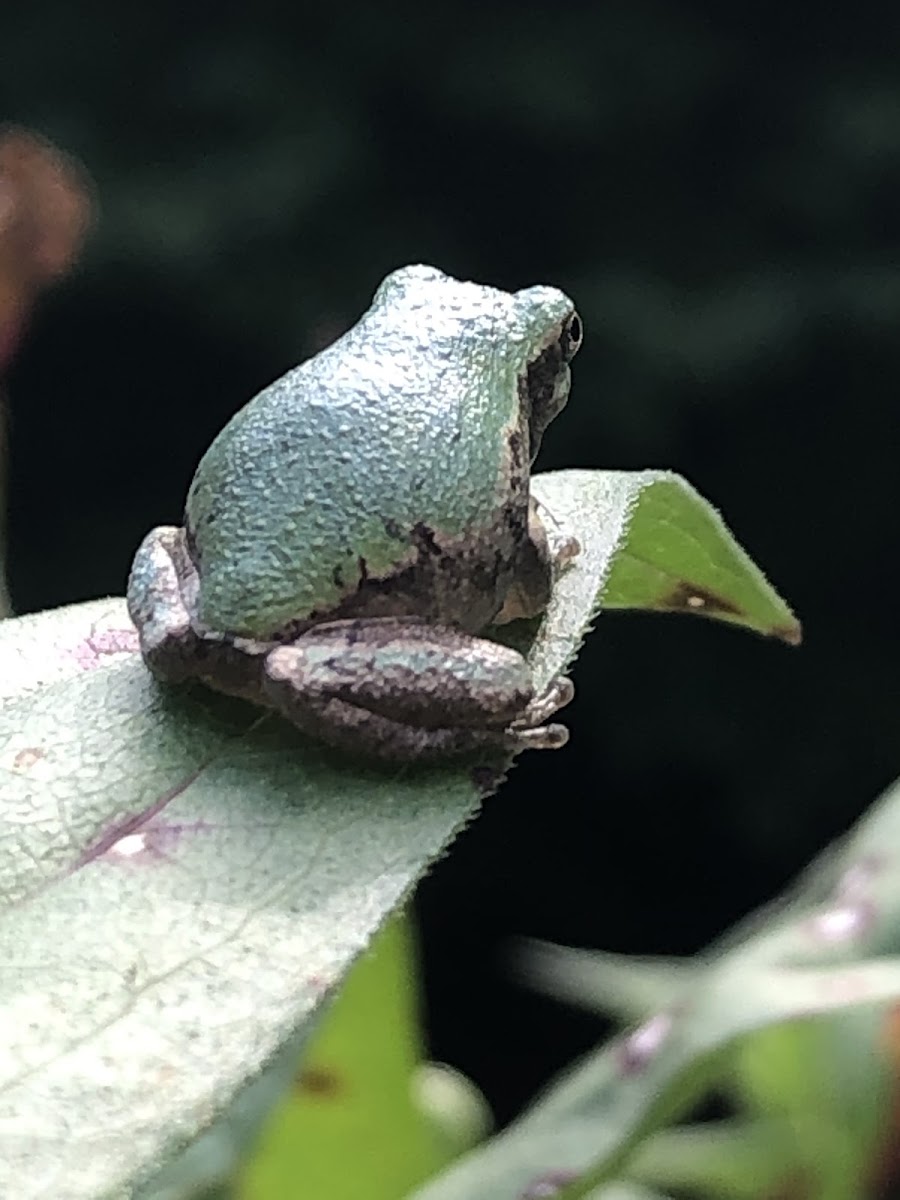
(718, 186)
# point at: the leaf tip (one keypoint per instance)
(790, 633)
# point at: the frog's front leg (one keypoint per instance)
(160, 576)
(536, 569)
(405, 690)
(162, 594)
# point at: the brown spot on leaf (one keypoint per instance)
(687, 597)
(316, 1081)
(114, 641)
(28, 757)
(548, 1185)
(644, 1043)
(102, 642)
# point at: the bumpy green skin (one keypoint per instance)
(353, 529)
(407, 432)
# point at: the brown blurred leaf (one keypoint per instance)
(45, 212)
(48, 202)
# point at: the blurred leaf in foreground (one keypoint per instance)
(350, 1126)
(795, 1016)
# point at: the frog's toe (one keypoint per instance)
(556, 695)
(566, 552)
(543, 737)
(529, 732)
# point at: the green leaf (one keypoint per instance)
(678, 556)
(832, 1083)
(617, 985)
(353, 1102)
(831, 952)
(184, 880)
(727, 1160)
(588, 1125)
(183, 885)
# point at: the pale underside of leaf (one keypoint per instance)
(184, 880)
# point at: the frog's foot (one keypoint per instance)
(556, 695)
(565, 553)
(530, 730)
(156, 604)
(408, 691)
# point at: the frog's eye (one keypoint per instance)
(570, 338)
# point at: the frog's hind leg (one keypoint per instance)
(406, 690)
(362, 732)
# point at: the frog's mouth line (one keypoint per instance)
(544, 391)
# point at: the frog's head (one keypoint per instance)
(533, 334)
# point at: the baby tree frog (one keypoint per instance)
(354, 529)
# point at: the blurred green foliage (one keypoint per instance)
(350, 1126)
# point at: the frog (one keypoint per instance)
(357, 530)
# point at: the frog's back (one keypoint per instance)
(391, 445)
